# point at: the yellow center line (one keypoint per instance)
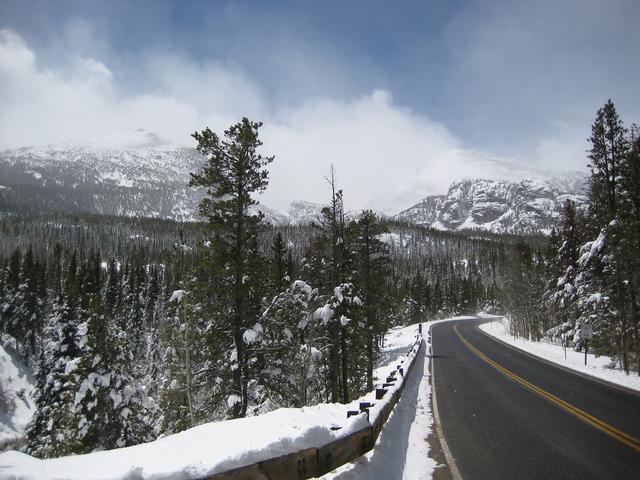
(590, 419)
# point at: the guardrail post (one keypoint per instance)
(364, 408)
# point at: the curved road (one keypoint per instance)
(507, 415)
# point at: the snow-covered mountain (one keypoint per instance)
(131, 172)
(297, 213)
(500, 206)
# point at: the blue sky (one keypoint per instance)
(514, 79)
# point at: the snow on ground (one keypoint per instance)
(16, 405)
(401, 451)
(599, 367)
(197, 452)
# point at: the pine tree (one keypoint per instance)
(92, 403)
(327, 267)
(288, 341)
(609, 149)
(280, 275)
(563, 267)
(631, 224)
(372, 265)
(52, 430)
(181, 340)
(233, 173)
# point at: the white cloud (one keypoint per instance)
(379, 151)
(386, 156)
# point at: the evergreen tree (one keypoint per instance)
(181, 339)
(372, 262)
(609, 149)
(327, 267)
(607, 153)
(631, 225)
(563, 267)
(52, 430)
(233, 173)
(280, 274)
(288, 342)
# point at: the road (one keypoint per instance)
(506, 415)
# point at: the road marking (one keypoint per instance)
(559, 366)
(590, 419)
(453, 467)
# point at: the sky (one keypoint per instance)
(393, 94)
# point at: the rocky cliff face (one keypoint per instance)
(500, 206)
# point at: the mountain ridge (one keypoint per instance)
(133, 172)
(498, 206)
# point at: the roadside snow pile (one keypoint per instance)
(221, 446)
(16, 405)
(197, 452)
(402, 450)
(599, 367)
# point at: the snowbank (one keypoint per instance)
(221, 446)
(402, 450)
(16, 405)
(598, 367)
(197, 452)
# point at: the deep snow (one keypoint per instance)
(401, 451)
(599, 367)
(16, 383)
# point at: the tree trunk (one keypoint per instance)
(635, 321)
(334, 364)
(621, 307)
(345, 376)
(369, 361)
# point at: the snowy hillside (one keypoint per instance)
(16, 405)
(131, 172)
(134, 173)
(498, 206)
(299, 212)
(219, 446)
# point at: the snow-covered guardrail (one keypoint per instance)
(313, 462)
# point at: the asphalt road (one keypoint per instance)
(520, 418)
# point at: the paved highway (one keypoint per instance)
(507, 415)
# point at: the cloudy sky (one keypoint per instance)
(390, 93)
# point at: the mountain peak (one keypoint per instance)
(128, 138)
(501, 206)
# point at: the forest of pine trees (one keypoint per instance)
(588, 273)
(142, 328)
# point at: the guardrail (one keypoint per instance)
(317, 461)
